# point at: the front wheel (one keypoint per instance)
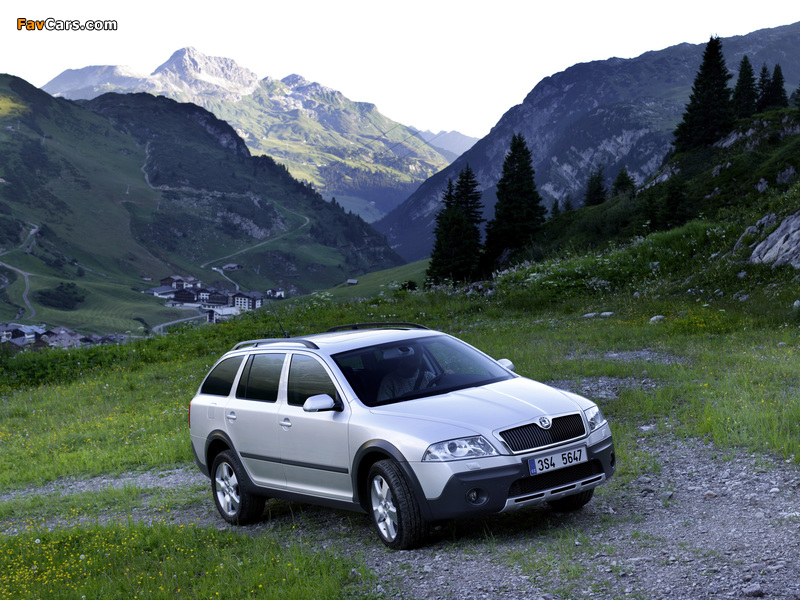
(229, 486)
(395, 512)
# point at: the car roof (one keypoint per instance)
(342, 339)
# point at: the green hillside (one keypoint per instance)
(128, 188)
(726, 181)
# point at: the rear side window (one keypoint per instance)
(261, 378)
(220, 381)
(307, 377)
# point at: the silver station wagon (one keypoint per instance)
(407, 424)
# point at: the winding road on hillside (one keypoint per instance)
(25, 245)
(253, 247)
(243, 250)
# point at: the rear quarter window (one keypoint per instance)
(220, 380)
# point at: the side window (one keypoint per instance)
(307, 377)
(261, 377)
(220, 380)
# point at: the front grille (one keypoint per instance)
(554, 479)
(531, 436)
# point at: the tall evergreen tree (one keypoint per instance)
(519, 210)
(764, 85)
(745, 94)
(709, 114)
(623, 185)
(777, 89)
(595, 188)
(672, 211)
(457, 244)
(468, 197)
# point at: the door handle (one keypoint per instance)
(286, 423)
(231, 417)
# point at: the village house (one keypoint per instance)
(221, 314)
(188, 292)
(179, 283)
(15, 337)
(186, 296)
(248, 300)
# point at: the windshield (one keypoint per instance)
(416, 368)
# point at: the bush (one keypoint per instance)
(67, 296)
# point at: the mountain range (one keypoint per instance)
(614, 113)
(610, 113)
(347, 150)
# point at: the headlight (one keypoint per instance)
(471, 447)
(595, 417)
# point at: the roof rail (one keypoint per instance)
(266, 341)
(399, 324)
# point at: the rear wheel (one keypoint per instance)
(395, 512)
(229, 486)
(570, 503)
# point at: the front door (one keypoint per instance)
(314, 445)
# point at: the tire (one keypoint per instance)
(395, 511)
(229, 486)
(570, 503)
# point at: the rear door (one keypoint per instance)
(251, 418)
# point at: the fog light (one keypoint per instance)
(477, 496)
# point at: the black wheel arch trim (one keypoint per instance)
(367, 455)
(217, 437)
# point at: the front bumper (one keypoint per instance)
(509, 487)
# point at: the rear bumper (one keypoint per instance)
(509, 487)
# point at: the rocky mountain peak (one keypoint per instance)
(188, 66)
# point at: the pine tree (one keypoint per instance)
(519, 211)
(709, 114)
(468, 197)
(451, 258)
(764, 85)
(457, 244)
(595, 188)
(745, 94)
(623, 185)
(671, 211)
(777, 89)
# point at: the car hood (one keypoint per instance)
(487, 408)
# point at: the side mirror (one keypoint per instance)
(318, 403)
(504, 362)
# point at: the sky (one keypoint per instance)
(453, 65)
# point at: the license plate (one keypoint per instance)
(557, 460)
